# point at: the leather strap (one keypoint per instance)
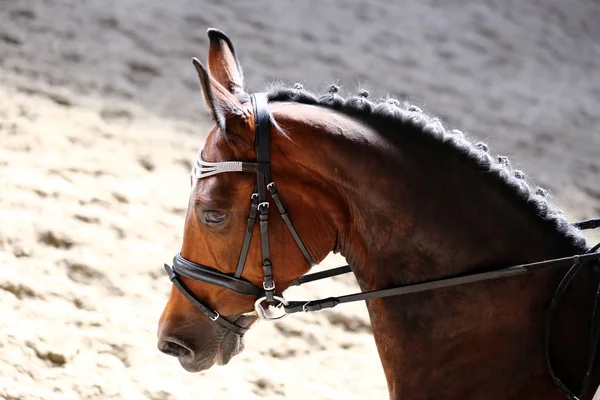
(262, 142)
(315, 305)
(262, 136)
(262, 145)
(588, 224)
(247, 235)
(288, 222)
(268, 283)
(315, 276)
(206, 274)
(209, 312)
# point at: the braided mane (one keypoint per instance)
(402, 114)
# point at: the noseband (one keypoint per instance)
(260, 205)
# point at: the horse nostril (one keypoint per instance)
(174, 349)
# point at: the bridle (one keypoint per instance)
(259, 205)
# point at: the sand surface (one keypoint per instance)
(101, 116)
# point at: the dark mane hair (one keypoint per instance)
(392, 111)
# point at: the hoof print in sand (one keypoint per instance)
(19, 251)
(263, 386)
(19, 290)
(56, 357)
(348, 323)
(121, 198)
(146, 163)
(87, 219)
(160, 395)
(87, 275)
(55, 240)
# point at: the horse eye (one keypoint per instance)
(213, 218)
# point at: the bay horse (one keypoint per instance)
(406, 201)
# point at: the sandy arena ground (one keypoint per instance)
(101, 116)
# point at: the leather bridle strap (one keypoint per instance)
(588, 224)
(288, 222)
(330, 302)
(210, 313)
(316, 276)
(205, 274)
(248, 235)
(262, 146)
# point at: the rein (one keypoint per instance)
(330, 302)
(259, 205)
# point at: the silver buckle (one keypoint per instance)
(267, 288)
(262, 313)
(217, 315)
(250, 314)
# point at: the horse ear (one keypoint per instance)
(223, 64)
(226, 109)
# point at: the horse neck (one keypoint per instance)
(417, 210)
(416, 207)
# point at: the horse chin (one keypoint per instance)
(231, 345)
(195, 365)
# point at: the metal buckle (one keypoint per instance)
(217, 315)
(268, 288)
(262, 313)
(252, 313)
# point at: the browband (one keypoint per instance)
(204, 169)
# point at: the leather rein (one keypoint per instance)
(259, 206)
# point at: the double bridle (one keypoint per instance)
(259, 205)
